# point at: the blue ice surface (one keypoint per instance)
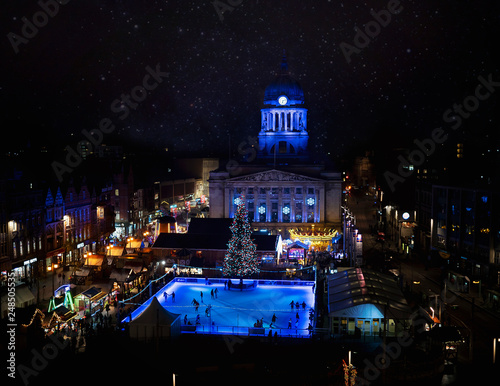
(234, 311)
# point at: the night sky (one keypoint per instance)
(65, 78)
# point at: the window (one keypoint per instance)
(298, 190)
(310, 190)
(286, 212)
(298, 212)
(117, 192)
(286, 190)
(262, 212)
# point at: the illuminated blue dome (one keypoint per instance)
(285, 85)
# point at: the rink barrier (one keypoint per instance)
(204, 281)
(221, 280)
(246, 331)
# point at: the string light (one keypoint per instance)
(37, 312)
(241, 257)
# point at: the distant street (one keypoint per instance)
(459, 309)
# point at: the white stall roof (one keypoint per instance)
(354, 287)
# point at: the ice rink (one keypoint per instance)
(233, 311)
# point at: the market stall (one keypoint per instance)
(90, 301)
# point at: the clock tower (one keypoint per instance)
(283, 135)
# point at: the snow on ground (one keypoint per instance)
(237, 308)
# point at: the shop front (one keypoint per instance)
(25, 271)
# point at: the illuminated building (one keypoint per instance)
(284, 191)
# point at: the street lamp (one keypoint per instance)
(348, 230)
(495, 340)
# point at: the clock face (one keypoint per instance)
(282, 100)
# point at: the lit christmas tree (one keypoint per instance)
(241, 258)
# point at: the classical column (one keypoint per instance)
(316, 205)
(227, 203)
(268, 205)
(304, 204)
(280, 204)
(292, 204)
(322, 203)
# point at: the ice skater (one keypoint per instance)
(198, 319)
(212, 294)
(304, 305)
(292, 304)
(273, 320)
(216, 292)
(201, 296)
(290, 323)
(185, 319)
(165, 295)
(297, 316)
(173, 297)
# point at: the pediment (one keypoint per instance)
(274, 176)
